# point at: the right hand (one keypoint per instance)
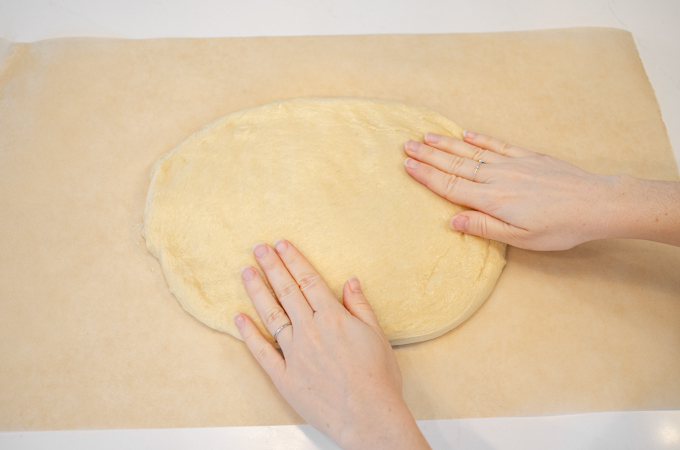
(336, 366)
(526, 199)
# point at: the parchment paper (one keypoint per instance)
(90, 336)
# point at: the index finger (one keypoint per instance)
(315, 289)
(285, 287)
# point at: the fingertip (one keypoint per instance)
(280, 245)
(411, 146)
(244, 329)
(354, 284)
(260, 249)
(239, 320)
(411, 163)
(469, 135)
(247, 273)
(459, 222)
(431, 138)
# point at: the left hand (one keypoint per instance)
(338, 370)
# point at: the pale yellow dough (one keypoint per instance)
(327, 175)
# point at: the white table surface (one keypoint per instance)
(655, 25)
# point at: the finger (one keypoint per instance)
(496, 146)
(486, 226)
(461, 148)
(271, 361)
(356, 303)
(270, 311)
(286, 289)
(455, 189)
(446, 162)
(315, 289)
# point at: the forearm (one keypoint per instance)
(393, 427)
(643, 209)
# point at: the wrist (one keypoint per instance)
(642, 209)
(602, 210)
(613, 205)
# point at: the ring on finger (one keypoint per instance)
(276, 333)
(476, 169)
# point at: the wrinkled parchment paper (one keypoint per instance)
(90, 336)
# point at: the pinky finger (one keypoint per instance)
(269, 358)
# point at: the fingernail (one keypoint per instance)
(247, 273)
(432, 137)
(413, 145)
(469, 134)
(411, 163)
(281, 246)
(239, 320)
(260, 250)
(354, 284)
(459, 223)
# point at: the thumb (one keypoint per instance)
(486, 226)
(356, 303)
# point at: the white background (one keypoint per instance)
(655, 25)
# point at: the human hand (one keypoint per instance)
(526, 199)
(337, 368)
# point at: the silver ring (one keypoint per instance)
(476, 168)
(276, 333)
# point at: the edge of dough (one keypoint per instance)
(496, 251)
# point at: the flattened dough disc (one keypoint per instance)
(327, 175)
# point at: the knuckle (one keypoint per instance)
(294, 260)
(450, 183)
(483, 226)
(427, 169)
(426, 151)
(260, 290)
(313, 336)
(269, 263)
(504, 148)
(308, 280)
(447, 141)
(428, 177)
(287, 289)
(364, 308)
(456, 164)
(479, 154)
(515, 236)
(272, 315)
(486, 140)
(334, 318)
(262, 353)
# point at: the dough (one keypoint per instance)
(327, 175)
